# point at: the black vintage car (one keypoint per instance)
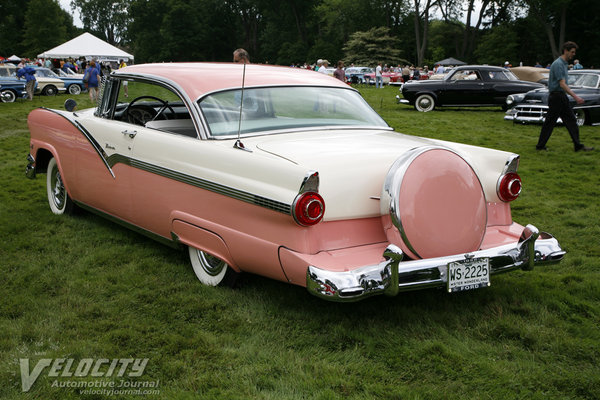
(531, 107)
(468, 86)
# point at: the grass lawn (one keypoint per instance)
(82, 287)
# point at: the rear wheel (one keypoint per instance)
(50, 90)
(8, 96)
(58, 198)
(74, 89)
(424, 103)
(210, 270)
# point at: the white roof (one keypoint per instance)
(86, 45)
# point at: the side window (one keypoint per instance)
(465, 75)
(150, 105)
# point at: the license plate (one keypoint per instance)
(468, 274)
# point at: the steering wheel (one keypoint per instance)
(140, 114)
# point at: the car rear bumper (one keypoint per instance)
(392, 276)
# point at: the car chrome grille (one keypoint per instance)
(526, 111)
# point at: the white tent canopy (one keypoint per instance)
(88, 46)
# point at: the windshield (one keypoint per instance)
(584, 80)
(283, 108)
(45, 73)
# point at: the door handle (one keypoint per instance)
(131, 134)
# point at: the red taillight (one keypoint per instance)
(509, 186)
(309, 208)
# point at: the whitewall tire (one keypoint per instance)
(58, 198)
(424, 103)
(210, 270)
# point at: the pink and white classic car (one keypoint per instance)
(288, 174)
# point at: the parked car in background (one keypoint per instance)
(389, 78)
(11, 87)
(532, 74)
(468, 86)
(357, 74)
(50, 84)
(301, 181)
(73, 82)
(47, 82)
(531, 107)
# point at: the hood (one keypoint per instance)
(352, 164)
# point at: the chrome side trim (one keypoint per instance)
(99, 150)
(534, 248)
(202, 183)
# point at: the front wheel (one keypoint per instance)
(424, 103)
(58, 198)
(8, 96)
(210, 270)
(74, 89)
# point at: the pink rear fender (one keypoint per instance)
(52, 133)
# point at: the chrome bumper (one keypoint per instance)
(30, 170)
(393, 276)
(527, 114)
(400, 100)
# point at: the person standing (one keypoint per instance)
(339, 72)
(405, 74)
(577, 65)
(378, 77)
(92, 73)
(558, 102)
(241, 56)
(29, 74)
(122, 64)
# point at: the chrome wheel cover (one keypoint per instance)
(58, 189)
(210, 264)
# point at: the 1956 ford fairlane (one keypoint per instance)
(288, 174)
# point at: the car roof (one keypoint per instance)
(480, 67)
(197, 79)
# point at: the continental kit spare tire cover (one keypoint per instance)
(432, 204)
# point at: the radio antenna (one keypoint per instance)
(238, 143)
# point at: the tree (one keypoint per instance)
(45, 26)
(552, 14)
(373, 46)
(107, 18)
(421, 36)
(499, 44)
(11, 26)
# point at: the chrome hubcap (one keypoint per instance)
(58, 190)
(210, 264)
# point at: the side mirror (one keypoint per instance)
(70, 105)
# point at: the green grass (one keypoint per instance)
(82, 287)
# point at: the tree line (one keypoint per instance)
(286, 32)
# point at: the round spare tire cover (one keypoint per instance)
(433, 204)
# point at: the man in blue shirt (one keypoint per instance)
(558, 102)
(29, 74)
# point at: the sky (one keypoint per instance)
(66, 5)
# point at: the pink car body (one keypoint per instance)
(311, 187)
